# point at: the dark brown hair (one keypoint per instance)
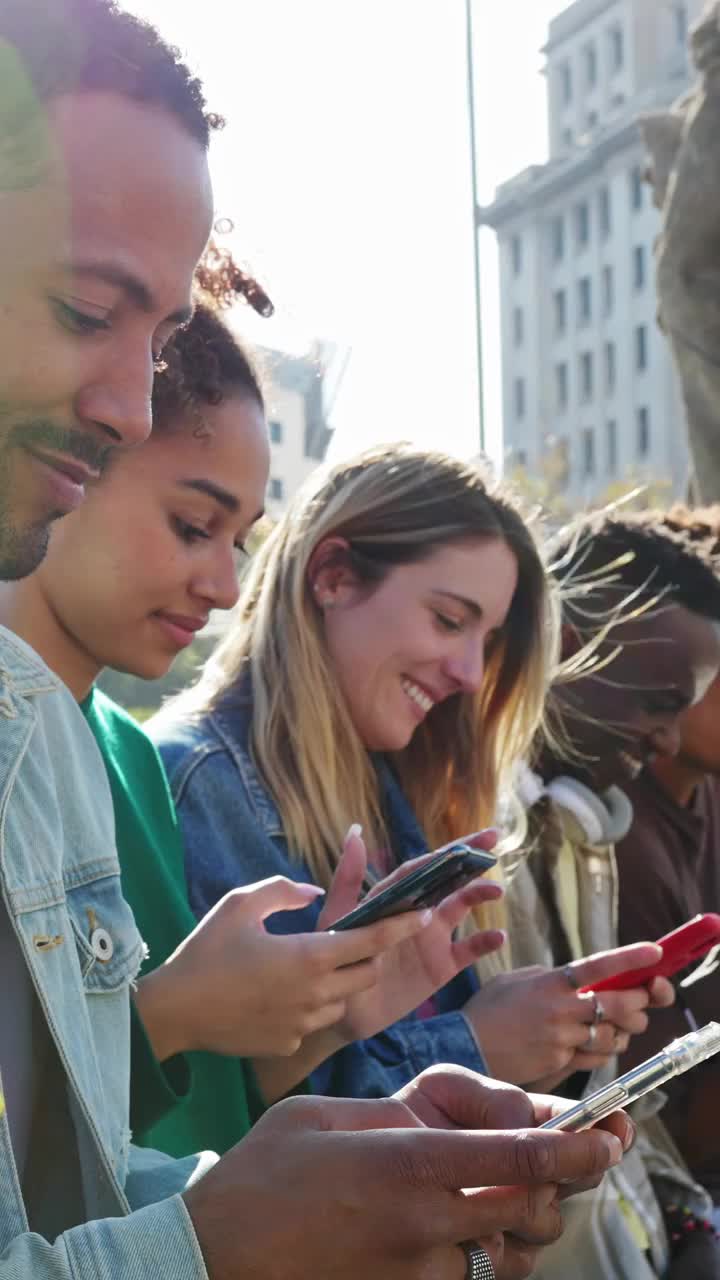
(202, 363)
(52, 47)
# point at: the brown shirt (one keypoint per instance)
(669, 868)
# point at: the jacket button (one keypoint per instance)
(102, 945)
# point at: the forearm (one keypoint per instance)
(279, 1076)
(161, 1015)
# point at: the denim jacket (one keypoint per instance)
(60, 881)
(233, 835)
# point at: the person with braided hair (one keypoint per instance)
(669, 871)
(642, 590)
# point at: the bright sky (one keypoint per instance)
(345, 169)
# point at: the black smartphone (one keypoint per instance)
(450, 869)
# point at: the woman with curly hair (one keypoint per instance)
(128, 582)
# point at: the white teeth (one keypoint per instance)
(418, 695)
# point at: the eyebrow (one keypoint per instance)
(472, 605)
(134, 288)
(223, 496)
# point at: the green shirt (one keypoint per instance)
(211, 1106)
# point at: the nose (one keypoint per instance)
(118, 401)
(466, 667)
(216, 580)
(666, 739)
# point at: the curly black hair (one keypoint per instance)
(52, 47)
(220, 280)
(202, 363)
(674, 553)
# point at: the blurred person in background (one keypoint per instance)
(643, 591)
(669, 871)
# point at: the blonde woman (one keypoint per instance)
(388, 665)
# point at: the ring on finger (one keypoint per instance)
(599, 1014)
(569, 972)
(479, 1266)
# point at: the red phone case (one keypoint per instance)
(680, 948)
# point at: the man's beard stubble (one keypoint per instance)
(22, 549)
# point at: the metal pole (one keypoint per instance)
(475, 232)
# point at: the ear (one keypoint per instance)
(329, 572)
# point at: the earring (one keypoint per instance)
(324, 602)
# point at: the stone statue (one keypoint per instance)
(684, 148)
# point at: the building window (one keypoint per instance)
(566, 85)
(516, 255)
(617, 48)
(582, 224)
(611, 441)
(608, 290)
(518, 326)
(520, 457)
(643, 432)
(561, 386)
(557, 238)
(681, 23)
(604, 212)
(591, 65)
(276, 432)
(586, 375)
(641, 348)
(588, 451)
(592, 119)
(277, 489)
(610, 367)
(639, 266)
(519, 397)
(567, 139)
(584, 300)
(560, 309)
(636, 188)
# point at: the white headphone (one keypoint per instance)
(604, 818)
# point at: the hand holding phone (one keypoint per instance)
(679, 1056)
(450, 869)
(681, 948)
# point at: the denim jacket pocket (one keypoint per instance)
(110, 949)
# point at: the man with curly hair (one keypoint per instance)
(105, 207)
(641, 645)
(669, 869)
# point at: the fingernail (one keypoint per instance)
(354, 830)
(631, 1134)
(477, 835)
(314, 890)
(426, 917)
(613, 1145)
